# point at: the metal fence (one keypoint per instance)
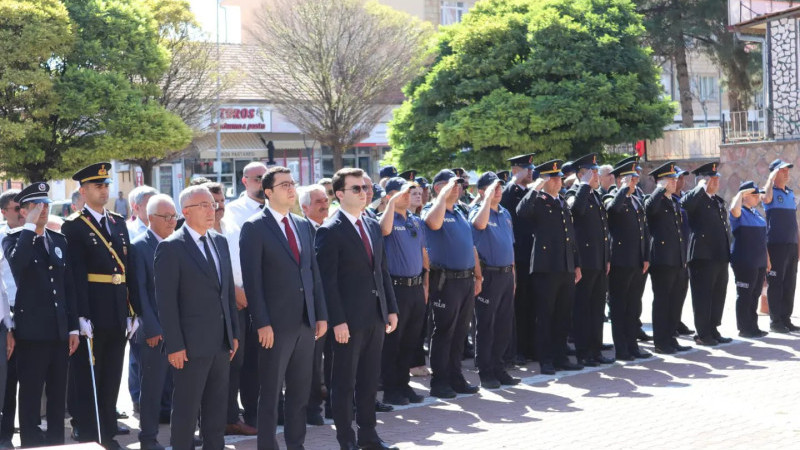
(744, 126)
(685, 143)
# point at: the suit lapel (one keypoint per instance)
(275, 228)
(353, 233)
(301, 236)
(193, 250)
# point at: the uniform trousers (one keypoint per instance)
(10, 400)
(589, 313)
(709, 281)
(625, 306)
(109, 354)
(667, 283)
(748, 290)
(452, 307)
(400, 346)
(781, 282)
(556, 296)
(41, 365)
(494, 311)
(524, 310)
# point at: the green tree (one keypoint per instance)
(90, 82)
(559, 77)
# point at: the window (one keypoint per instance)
(705, 88)
(452, 12)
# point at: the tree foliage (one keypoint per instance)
(561, 77)
(332, 67)
(90, 80)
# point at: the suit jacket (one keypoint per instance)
(667, 247)
(591, 226)
(45, 301)
(352, 285)
(105, 304)
(280, 292)
(143, 254)
(627, 224)
(554, 248)
(196, 311)
(709, 238)
(523, 236)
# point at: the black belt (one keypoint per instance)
(407, 281)
(503, 269)
(457, 274)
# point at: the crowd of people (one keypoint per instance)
(291, 304)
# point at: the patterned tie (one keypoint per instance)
(209, 257)
(364, 240)
(292, 241)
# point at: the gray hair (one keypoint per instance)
(187, 193)
(138, 194)
(154, 201)
(605, 169)
(305, 193)
(76, 195)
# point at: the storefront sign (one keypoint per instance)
(245, 119)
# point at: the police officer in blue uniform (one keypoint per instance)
(492, 233)
(387, 172)
(667, 258)
(748, 257)
(554, 267)
(98, 253)
(455, 280)
(466, 198)
(522, 174)
(404, 237)
(630, 260)
(709, 253)
(591, 234)
(782, 242)
(46, 320)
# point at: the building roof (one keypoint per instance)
(758, 24)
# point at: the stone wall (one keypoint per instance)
(784, 72)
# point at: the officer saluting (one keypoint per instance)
(554, 267)
(709, 252)
(591, 232)
(667, 259)
(46, 320)
(98, 253)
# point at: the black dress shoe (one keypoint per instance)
(681, 348)
(751, 334)
(604, 360)
(792, 327)
(705, 341)
(642, 354)
(466, 388)
(412, 396)
(665, 350)
(568, 365)
(443, 392)
(490, 382)
(643, 337)
(723, 340)
(383, 407)
(506, 380)
(625, 357)
(123, 414)
(547, 369)
(587, 362)
(520, 360)
(75, 434)
(394, 398)
(606, 346)
(122, 430)
(380, 445)
(683, 330)
(778, 328)
(197, 441)
(315, 419)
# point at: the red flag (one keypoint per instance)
(640, 148)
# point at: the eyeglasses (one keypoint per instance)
(285, 185)
(205, 205)
(167, 218)
(358, 189)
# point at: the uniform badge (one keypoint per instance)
(780, 199)
(125, 250)
(58, 252)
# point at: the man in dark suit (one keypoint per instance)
(46, 325)
(154, 368)
(196, 301)
(361, 308)
(97, 252)
(284, 291)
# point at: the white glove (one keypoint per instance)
(131, 327)
(86, 327)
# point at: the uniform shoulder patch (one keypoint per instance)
(116, 215)
(14, 231)
(73, 216)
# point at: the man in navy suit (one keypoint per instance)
(284, 291)
(154, 368)
(196, 301)
(361, 308)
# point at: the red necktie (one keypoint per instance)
(291, 239)
(364, 240)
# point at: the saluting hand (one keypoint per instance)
(266, 337)
(392, 325)
(33, 215)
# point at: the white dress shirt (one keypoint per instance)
(196, 237)
(352, 220)
(241, 209)
(135, 228)
(97, 216)
(279, 218)
(5, 307)
(231, 233)
(9, 286)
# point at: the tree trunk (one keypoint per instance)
(684, 85)
(338, 151)
(147, 172)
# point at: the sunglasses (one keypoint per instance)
(358, 189)
(411, 228)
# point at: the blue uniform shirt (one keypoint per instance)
(781, 218)
(404, 246)
(495, 243)
(749, 247)
(450, 247)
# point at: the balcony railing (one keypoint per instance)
(744, 126)
(685, 143)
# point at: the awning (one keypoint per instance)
(241, 145)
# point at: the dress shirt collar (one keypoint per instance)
(97, 216)
(195, 235)
(158, 238)
(278, 216)
(350, 217)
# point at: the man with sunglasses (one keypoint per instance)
(492, 234)
(408, 265)
(456, 280)
(244, 207)
(361, 308)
